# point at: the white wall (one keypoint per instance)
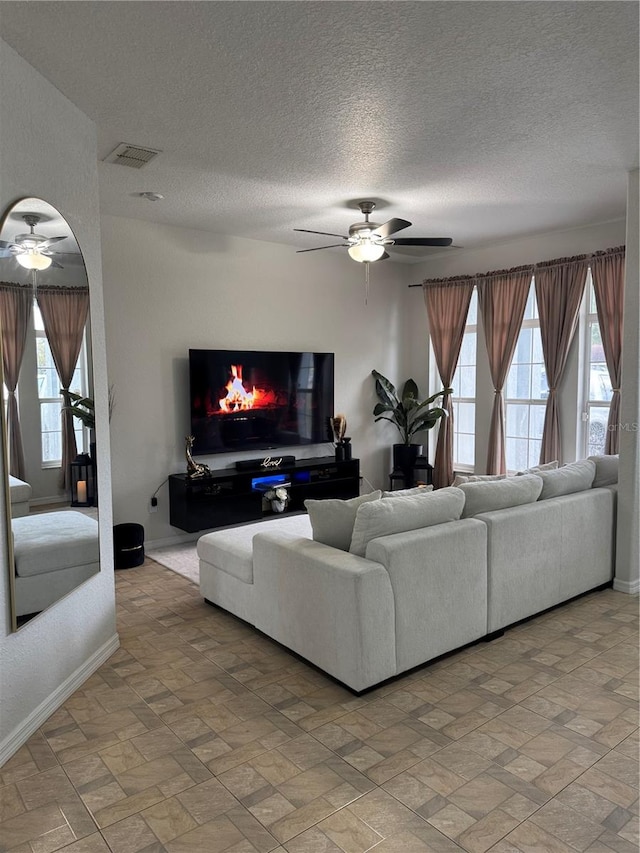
(48, 149)
(167, 290)
(539, 247)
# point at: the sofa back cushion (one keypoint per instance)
(606, 470)
(477, 478)
(405, 493)
(332, 520)
(499, 494)
(381, 518)
(574, 477)
(547, 466)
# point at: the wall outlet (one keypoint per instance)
(153, 505)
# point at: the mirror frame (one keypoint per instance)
(4, 445)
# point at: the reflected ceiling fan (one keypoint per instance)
(32, 251)
(368, 241)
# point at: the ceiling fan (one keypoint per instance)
(368, 241)
(32, 251)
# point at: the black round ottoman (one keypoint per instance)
(128, 545)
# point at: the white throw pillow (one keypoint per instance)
(381, 518)
(332, 520)
(477, 478)
(606, 470)
(574, 477)
(405, 493)
(501, 494)
(548, 466)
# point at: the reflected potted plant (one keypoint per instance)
(408, 413)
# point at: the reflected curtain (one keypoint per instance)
(64, 314)
(15, 310)
(502, 297)
(559, 289)
(447, 304)
(607, 271)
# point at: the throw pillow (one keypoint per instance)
(381, 518)
(606, 470)
(477, 478)
(405, 493)
(332, 520)
(574, 477)
(512, 491)
(548, 466)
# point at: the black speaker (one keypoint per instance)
(265, 463)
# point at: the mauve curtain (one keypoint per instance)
(607, 271)
(559, 289)
(15, 309)
(447, 308)
(64, 313)
(502, 297)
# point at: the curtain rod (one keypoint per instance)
(558, 262)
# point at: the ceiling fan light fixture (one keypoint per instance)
(366, 251)
(31, 259)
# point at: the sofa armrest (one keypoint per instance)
(333, 608)
(439, 580)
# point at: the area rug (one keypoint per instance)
(181, 559)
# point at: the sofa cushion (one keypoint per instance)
(606, 470)
(51, 541)
(500, 494)
(381, 518)
(332, 520)
(547, 466)
(405, 493)
(574, 477)
(231, 549)
(477, 478)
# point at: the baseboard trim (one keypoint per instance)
(19, 736)
(630, 587)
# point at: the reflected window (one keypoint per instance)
(50, 398)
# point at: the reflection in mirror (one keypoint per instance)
(47, 417)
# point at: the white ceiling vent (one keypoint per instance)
(131, 155)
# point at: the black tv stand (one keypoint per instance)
(227, 496)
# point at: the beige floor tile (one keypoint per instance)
(528, 743)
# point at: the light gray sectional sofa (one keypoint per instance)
(401, 578)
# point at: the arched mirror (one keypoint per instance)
(47, 414)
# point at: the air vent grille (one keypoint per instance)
(133, 156)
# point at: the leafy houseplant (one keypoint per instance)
(408, 413)
(80, 407)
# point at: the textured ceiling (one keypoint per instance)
(475, 120)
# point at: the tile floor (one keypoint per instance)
(201, 735)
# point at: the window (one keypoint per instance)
(50, 397)
(598, 390)
(526, 393)
(464, 393)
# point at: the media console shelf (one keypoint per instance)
(229, 496)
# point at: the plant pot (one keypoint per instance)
(405, 456)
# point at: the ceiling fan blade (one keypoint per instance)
(4, 244)
(317, 248)
(324, 233)
(57, 265)
(50, 240)
(384, 257)
(391, 227)
(6, 253)
(423, 241)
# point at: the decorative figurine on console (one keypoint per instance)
(342, 442)
(194, 469)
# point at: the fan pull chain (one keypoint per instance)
(366, 283)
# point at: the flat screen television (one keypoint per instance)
(246, 400)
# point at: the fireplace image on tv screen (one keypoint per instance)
(245, 400)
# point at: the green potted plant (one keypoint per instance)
(408, 413)
(80, 407)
